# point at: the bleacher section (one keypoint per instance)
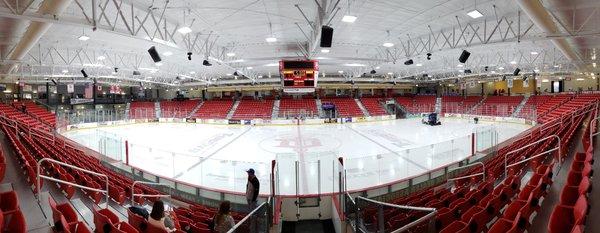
(472, 204)
(417, 104)
(217, 109)
(502, 106)
(459, 104)
(177, 109)
(345, 106)
(373, 105)
(142, 110)
(13, 113)
(252, 109)
(295, 107)
(37, 112)
(29, 150)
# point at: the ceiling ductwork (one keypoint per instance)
(542, 19)
(34, 32)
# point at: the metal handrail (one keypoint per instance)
(407, 226)
(133, 195)
(526, 146)
(246, 218)
(396, 206)
(592, 123)
(38, 185)
(469, 176)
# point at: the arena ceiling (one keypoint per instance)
(44, 39)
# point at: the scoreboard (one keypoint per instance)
(299, 76)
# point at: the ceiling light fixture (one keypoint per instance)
(388, 44)
(513, 62)
(184, 30)
(534, 53)
(100, 58)
(271, 39)
(83, 38)
(340, 71)
(419, 64)
(349, 18)
(230, 54)
(167, 53)
(459, 65)
(192, 72)
(475, 14)
(325, 50)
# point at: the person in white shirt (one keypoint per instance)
(157, 216)
(223, 220)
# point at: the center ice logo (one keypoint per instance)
(300, 144)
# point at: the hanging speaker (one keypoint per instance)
(154, 54)
(464, 56)
(85, 75)
(516, 72)
(408, 62)
(326, 36)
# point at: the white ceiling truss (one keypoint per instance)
(505, 38)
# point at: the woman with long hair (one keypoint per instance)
(223, 220)
(157, 216)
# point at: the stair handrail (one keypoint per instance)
(482, 173)
(433, 212)
(133, 194)
(593, 123)
(506, 166)
(248, 216)
(39, 177)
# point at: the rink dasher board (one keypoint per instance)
(285, 122)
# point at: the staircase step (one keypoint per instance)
(362, 107)
(233, 108)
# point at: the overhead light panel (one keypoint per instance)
(249, 67)
(419, 64)
(100, 58)
(324, 50)
(474, 14)
(192, 72)
(388, 44)
(167, 53)
(230, 54)
(184, 30)
(271, 39)
(513, 62)
(83, 38)
(340, 71)
(65, 71)
(534, 53)
(349, 19)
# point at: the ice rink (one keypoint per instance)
(216, 156)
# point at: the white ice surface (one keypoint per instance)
(216, 156)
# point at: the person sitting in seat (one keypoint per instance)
(158, 218)
(223, 221)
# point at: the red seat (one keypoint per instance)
(570, 194)
(124, 227)
(454, 227)
(16, 223)
(574, 177)
(63, 210)
(9, 202)
(565, 218)
(138, 222)
(154, 229)
(103, 217)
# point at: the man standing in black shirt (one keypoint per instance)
(252, 189)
